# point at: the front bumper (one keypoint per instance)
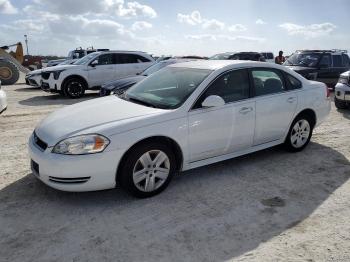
(50, 84)
(74, 173)
(342, 92)
(33, 80)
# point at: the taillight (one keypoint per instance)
(328, 93)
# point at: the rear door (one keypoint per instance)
(131, 64)
(275, 105)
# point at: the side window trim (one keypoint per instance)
(216, 78)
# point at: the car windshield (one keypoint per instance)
(86, 59)
(223, 56)
(303, 59)
(168, 88)
(154, 68)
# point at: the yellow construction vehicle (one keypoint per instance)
(11, 63)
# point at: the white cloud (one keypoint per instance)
(117, 7)
(313, 30)
(141, 25)
(213, 24)
(237, 28)
(192, 19)
(215, 37)
(7, 8)
(260, 22)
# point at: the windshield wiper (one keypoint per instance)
(141, 102)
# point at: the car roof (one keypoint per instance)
(218, 64)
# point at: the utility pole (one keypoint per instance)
(26, 40)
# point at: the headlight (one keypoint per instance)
(80, 145)
(56, 74)
(343, 80)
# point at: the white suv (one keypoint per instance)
(93, 70)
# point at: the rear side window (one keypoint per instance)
(292, 82)
(346, 61)
(337, 61)
(131, 59)
(105, 59)
(267, 81)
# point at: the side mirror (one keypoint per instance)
(213, 101)
(94, 63)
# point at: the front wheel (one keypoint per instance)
(299, 134)
(147, 169)
(74, 88)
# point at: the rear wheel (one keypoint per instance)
(340, 104)
(74, 88)
(9, 73)
(147, 169)
(299, 134)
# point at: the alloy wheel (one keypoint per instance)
(300, 133)
(151, 170)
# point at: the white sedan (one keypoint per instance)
(184, 116)
(3, 100)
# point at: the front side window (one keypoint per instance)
(86, 59)
(168, 88)
(232, 86)
(346, 61)
(105, 59)
(267, 82)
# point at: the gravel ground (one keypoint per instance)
(266, 206)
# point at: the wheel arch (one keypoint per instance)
(310, 113)
(75, 76)
(158, 139)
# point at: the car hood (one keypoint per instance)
(123, 82)
(34, 72)
(92, 116)
(59, 67)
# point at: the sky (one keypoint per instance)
(177, 27)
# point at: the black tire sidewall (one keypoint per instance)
(65, 87)
(339, 104)
(126, 175)
(288, 143)
(15, 72)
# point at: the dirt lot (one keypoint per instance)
(267, 206)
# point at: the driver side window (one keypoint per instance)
(231, 86)
(105, 59)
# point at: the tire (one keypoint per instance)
(299, 134)
(340, 104)
(74, 88)
(141, 175)
(9, 73)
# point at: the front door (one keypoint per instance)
(101, 70)
(275, 105)
(225, 129)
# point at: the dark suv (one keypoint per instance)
(320, 65)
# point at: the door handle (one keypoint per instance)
(245, 110)
(291, 100)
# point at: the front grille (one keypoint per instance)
(45, 75)
(71, 180)
(39, 143)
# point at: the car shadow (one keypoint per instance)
(345, 112)
(56, 99)
(212, 213)
(27, 89)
